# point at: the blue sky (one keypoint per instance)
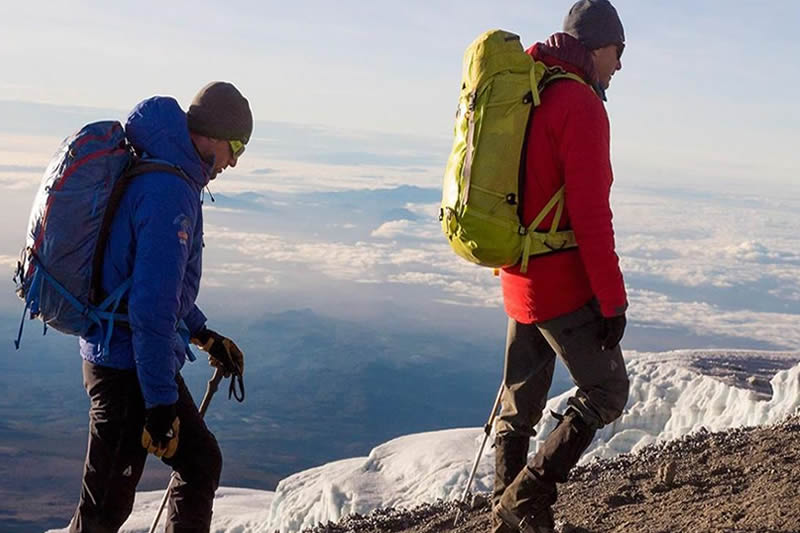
(706, 90)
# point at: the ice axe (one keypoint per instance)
(213, 385)
(487, 430)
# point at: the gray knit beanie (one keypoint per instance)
(220, 111)
(595, 24)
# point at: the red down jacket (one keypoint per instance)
(568, 143)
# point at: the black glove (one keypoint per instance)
(611, 331)
(161, 428)
(222, 352)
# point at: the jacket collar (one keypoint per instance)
(567, 52)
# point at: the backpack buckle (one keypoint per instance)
(555, 248)
(528, 98)
(522, 230)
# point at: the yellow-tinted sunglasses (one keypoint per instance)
(237, 148)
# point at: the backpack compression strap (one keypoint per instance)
(137, 168)
(538, 242)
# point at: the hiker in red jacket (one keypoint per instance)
(571, 303)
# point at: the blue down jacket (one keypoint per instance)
(156, 237)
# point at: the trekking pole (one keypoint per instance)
(487, 430)
(213, 385)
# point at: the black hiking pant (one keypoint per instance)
(115, 458)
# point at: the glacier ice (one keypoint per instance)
(669, 397)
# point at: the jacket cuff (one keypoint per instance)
(195, 320)
(153, 400)
(610, 309)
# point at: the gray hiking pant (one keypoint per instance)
(531, 350)
(115, 458)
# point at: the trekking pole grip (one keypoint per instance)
(211, 389)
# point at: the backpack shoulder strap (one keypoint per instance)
(143, 166)
(136, 168)
(559, 73)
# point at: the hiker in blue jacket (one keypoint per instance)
(139, 402)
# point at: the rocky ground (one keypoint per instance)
(742, 480)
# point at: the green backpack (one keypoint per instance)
(480, 210)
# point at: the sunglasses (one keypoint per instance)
(620, 49)
(237, 148)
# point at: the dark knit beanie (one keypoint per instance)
(594, 23)
(220, 111)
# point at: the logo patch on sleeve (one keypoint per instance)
(184, 224)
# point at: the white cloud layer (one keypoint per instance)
(392, 229)
(725, 241)
(424, 263)
(702, 318)
(710, 247)
(8, 261)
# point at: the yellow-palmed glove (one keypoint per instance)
(161, 431)
(222, 352)
(225, 355)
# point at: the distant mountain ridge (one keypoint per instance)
(368, 199)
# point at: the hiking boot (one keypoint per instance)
(541, 522)
(526, 504)
(511, 454)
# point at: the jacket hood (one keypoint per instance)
(157, 127)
